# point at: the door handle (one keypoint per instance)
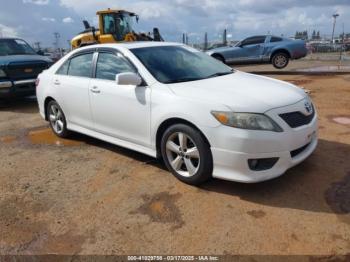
(56, 82)
(95, 90)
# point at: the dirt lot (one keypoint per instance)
(83, 196)
(306, 64)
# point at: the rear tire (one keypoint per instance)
(57, 119)
(280, 60)
(187, 154)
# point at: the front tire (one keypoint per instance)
(57, 119)
(187, 154)
(280, 60)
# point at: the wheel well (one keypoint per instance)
(280, 51)
(169, 122)
(47, 101)
(218, 55)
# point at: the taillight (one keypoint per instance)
(37, 82)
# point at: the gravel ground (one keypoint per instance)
(83, 196)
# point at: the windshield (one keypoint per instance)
(125, 23)
(174, 64)
(15, 47)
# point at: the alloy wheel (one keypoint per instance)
(182, 154)
(56, 119)
(280, 61)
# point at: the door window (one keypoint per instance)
(81, 65)
(255, 40)
(63, 70)
(109, 65)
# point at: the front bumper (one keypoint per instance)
(17, 88)
(232, 148)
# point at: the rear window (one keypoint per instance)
(275, 39)
(63, 70)
(81, 65)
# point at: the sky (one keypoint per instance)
(37, 20)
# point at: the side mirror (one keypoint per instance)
(128, 79)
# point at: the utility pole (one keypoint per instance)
(56, 43)
(334, 22)
(342, 46)
(205, 41)
(57, 37)
(224, 37)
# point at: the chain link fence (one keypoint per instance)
(329, 51)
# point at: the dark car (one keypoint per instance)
(19, 68)
(262, 49)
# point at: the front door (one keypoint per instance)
(121, 111)
(251, 49)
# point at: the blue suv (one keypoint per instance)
(19, 67)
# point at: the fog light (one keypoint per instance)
(262, 163)
(253, 163)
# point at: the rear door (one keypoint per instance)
(251, 49)
(72, 81)
(121, 111)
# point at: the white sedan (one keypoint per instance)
(168, 100)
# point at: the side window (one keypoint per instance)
(109, 65)
(275, 39)
(255, 40)
(63, 70)
(80, 65)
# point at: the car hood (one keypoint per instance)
(5, 60)
(241, 92)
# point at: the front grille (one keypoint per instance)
(25, 70)
(298, 151)
(297, 119)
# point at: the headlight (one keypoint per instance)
(2, 73)
(247, 121)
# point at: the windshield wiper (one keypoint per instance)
(185, 79)
(220, 74)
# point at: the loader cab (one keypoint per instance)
(118, 23)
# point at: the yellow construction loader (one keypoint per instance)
(114, 26)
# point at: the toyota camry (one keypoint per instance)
(169, 101)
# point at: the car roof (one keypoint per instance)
(133, 45)
(265, 36)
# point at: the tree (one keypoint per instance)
(301, 35)
(313, 35)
